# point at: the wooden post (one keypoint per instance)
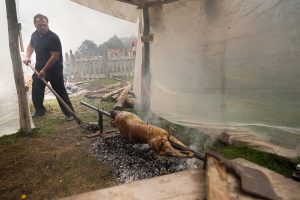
(216, 180)
(145, 85)
(20, 37)
(13, 33)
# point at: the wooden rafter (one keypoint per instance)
(130, 2)
(143, 3)
(159, 2)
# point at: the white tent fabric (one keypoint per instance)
(228, 64)
(9, 112)
(225, 64)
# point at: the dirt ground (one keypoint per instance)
(55, 161)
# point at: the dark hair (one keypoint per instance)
(40, 16)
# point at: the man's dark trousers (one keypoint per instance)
(56, 80)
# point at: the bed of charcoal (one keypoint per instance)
(137, 161)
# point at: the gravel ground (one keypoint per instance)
(137, 161)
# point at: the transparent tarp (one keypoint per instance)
(223, 64)
(9, 112)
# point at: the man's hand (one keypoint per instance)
(42, 74)
(26, 61)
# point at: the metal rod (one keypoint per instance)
(100, 121)
(181, 147)
(96, 109)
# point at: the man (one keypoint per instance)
(49, 64)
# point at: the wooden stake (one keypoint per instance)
(13, 33)
(21, 38)
(145, 84)
(216, 180)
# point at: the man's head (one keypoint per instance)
(41, 23)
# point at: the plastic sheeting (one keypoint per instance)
(218, 64)
(221, 64)
(9, 112)
(111, 7)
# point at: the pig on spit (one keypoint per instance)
(135, 131)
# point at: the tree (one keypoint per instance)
(88, 47)
(113, 43)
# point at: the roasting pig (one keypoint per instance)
(135, 131)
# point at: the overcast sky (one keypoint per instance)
(72, 22)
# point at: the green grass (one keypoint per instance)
(47, 125)
(87, 114)
(276, 163)
(101, 82)
(10, 139)
(125, 78)
(298, 159)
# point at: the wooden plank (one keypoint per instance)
(253, 181)
(285, 187)
(106, 96)
(185, 185)
(216, 180)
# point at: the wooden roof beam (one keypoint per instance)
(135, 3)
(140, 4)
(156, 3)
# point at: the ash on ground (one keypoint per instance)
(137, 161)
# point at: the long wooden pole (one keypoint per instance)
(145, 89)
(13, 32)
(56, 95)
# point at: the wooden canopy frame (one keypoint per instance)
(146, 3)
